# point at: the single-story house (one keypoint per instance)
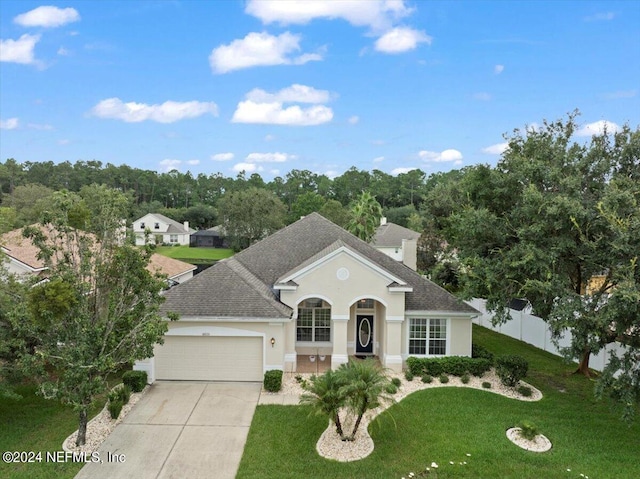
(161, 230)
(210, 238)
(397, 242)
(310, 289)
(21, 258)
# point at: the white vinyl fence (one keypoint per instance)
(533, 330)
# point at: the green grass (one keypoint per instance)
(37, 424)
(194, 255)
(445, 424)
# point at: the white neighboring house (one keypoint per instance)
(397, 242)
(21, 259)
(161, 229)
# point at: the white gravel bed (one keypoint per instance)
(540, 443)
(331, 446)
(99, 428)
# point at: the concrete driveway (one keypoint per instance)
(180, 429)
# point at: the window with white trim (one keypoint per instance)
(314, 321)
(366, 303)
(428, 336)
(173, 238)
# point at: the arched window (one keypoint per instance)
(314, 321)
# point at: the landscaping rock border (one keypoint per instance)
(540, 443)
(330, 446)
(99, 428)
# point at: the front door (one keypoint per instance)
(364, 334)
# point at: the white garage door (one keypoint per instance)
(209, 358)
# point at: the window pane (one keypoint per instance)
(304, 334)
(417, 346)
(365, 304)
(313, 303)
(438, 329)
(418, 328)
(323, 334)
(437, 346)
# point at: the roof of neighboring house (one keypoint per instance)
(174, 226)
(283, 252)
(169, 266)
(390, 235)
(213, 231)
(22, 249)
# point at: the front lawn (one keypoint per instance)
(37, 424)
(194, 255)
(445, 424)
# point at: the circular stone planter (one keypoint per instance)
(540, 443)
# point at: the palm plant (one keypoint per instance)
(364, 388)
(325, 396)
(365, 215)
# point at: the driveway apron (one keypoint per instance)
(180, 429)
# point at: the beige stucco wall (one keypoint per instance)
(460, 344)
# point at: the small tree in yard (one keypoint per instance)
(357, 386)
(99, 309)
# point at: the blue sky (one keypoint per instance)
(269, 86)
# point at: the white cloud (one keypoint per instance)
(402, 169)
(269, 137)
(401, 39)
(9, 124)
(48, 17)
(294, 94)
(169, 164)
(482, 96)
(62, 51)
(598, 128)
(496, 149)
(222, 156)
(247, 167)
(269, 157)
(275, 114)
(259, 49)
(354, 119)
(19, 51)
(600, 17)
(167, 112)
(615, 95)
(445, 156)
(378, 159)
(375, 14)
(193, 162)
(498, 69)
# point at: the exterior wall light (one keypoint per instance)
(273, 342)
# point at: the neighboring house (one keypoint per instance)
(161, 230)
(211, 238)
(397, 242)
(310, 289)
(21, 258)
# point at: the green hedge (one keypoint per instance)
(136, 380)
(273, 380)
(511, 369)
(478, 351)
(453, 365)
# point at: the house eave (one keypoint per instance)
(231, 319)
(440, 313)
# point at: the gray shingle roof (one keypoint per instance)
(174, 226)
(390, 235)
(242, 285)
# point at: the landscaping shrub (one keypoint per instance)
(273, 380)
(396, 382)
(525, 391)
(136, 380)
(486, 384)
(444, 379)
(391, 388)
(528, 430)
(408, 375)
(478, 352)
(465, 379)
(511, 369)
(452, 365)
(427, 379)
(123, 393)
(114, 408)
